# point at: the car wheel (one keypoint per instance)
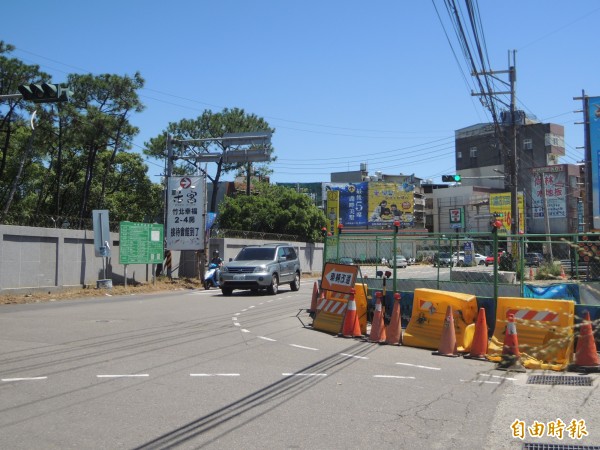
(226, 291)
(295, 285)
(481, 263)
(274, 286)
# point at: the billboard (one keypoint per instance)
(389, 202)
(593, 120)
(140, 243)
(500, 204)
(555, 192)
(352, 207)
(333, 210)
(185, 213)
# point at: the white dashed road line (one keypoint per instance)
(419, 367)
(353, 356)
(305, 348)
(496, 376)
(214, 374)
(393, 376)
(304, 374)
(480, 381)
(134, 375)
(25, 379)
(266, 338)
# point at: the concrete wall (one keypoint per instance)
(50, 259)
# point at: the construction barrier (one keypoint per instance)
(331, 309)
(428, 314)
(544, 328)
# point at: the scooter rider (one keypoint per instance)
(216, 259)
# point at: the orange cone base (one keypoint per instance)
(449, 355)
(511, 363)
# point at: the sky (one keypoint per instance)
(342, 82)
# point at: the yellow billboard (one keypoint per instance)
(389, 202)
(500, 204)
(333, 210)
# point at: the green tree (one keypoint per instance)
(208, 125)
(277, 209)
(79, 157)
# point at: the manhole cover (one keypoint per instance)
(563, 380)
(536, 446)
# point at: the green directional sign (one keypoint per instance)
(141, 243)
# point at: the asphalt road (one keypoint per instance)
(198, 370)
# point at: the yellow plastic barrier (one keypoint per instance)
(544, 331)
(428, 313)
(331, 309)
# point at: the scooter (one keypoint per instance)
(211, 276)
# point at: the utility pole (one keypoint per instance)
(511, 165)
(588, 213)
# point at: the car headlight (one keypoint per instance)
(259, 269)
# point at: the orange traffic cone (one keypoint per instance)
(377, 325)
(510, 349)
(315, 296)
(479, 346)
(351, 326)
(394, 331)
(447, 345)
(586, 355)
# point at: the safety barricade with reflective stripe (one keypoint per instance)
(544, 331)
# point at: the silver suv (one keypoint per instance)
(262, 267)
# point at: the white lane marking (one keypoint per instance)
(250, 307)
(245, 331)
(244, 310)
(304, 374)
(236, 324)
(353, 356)
(420, 367)
(267, 339)
(306, 348)
(480, 381)
(234, 318)
(25, 379)
(134, 375)
(496, 376)
(393, 376)
(237, 314)
(214, 374)
(269, 301)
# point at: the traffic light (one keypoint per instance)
(44, 92)
(451, 178)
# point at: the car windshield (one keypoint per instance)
(249, 254)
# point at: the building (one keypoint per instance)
(483, 155)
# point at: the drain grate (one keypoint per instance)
(563, 380)
(536, 446)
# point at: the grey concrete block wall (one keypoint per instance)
(38, 259)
